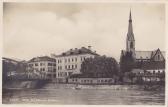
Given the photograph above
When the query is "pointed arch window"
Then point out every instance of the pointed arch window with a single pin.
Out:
(131, 45)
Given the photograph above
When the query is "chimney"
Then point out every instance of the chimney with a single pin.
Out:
(89, 47)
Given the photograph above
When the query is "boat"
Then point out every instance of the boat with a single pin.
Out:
(77, 87)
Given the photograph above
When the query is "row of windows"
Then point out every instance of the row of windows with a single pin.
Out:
(49, 69)
(90, 81)
(70, 66)
(59, 67)
(71, 59)
(42, 64)
(64, 74)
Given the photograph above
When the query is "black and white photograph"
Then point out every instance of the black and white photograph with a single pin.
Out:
(84, 53)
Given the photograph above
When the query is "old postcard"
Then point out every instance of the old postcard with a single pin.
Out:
(84, 53)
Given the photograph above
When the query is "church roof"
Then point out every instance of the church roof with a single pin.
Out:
(145, 54)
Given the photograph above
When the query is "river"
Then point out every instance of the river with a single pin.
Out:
(69, 96)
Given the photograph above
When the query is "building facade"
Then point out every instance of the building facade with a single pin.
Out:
(69, 62)
(149, 61)
(44, 67)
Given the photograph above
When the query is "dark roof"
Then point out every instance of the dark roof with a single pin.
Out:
(149, 65)
(43, 58)
(145, 54)
(76, 51)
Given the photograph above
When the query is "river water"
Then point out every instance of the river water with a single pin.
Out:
(69, 96)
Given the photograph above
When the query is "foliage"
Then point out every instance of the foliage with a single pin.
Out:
(127, 62)
(100, 66)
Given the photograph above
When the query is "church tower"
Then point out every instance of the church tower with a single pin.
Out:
(130, 41)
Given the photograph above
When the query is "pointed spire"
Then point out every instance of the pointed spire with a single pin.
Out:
(130, 17)
(130, 34)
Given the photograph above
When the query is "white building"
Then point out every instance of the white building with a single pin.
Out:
(70, 62)
(44, 66)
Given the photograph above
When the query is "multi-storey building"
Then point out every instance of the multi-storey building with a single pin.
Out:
(44, 66)
(70, 62)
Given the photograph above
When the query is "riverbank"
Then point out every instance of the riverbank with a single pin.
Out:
(48, 85)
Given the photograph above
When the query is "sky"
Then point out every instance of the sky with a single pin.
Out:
(38, 29)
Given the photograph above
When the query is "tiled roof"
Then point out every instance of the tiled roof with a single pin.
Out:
(43, 58)
(76, 51)
(145, 54)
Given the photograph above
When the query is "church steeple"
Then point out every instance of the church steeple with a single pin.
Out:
(130, 34)
(130, 42)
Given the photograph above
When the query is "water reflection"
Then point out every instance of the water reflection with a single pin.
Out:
(84, 96)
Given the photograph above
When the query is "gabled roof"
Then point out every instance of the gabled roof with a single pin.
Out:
(76, 51)
(43, 58)
(145, 54)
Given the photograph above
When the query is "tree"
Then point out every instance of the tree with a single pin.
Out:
(100, 66)
(127, 62)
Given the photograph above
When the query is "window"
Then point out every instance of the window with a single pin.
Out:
(68, 60)
(65, 73)
(41, 69)
(158, 57)
(36, 64)
(76, 59)
(131, 45)
(81, 58)
(65, 60)
(49, 64)
(30, 65)
(72, 66)
(65, 66)
(69, 67)
(153, 71)
(75, 66)
(72, 59)
(41, 64)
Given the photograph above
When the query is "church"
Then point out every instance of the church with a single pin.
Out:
(153, 61)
